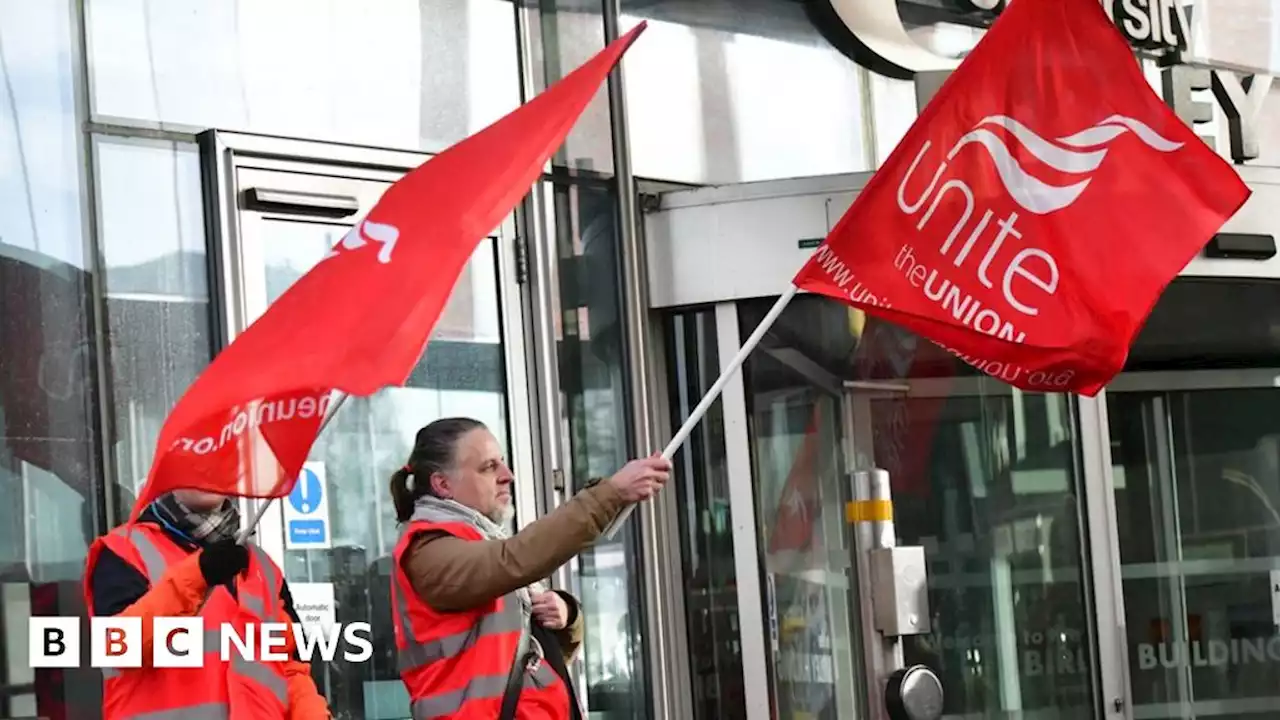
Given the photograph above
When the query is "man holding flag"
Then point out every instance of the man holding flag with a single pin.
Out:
(354, 324)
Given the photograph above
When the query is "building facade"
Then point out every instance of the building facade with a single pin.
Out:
(169, 167)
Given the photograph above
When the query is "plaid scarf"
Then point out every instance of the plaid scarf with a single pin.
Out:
(205, 528)
(437, 510)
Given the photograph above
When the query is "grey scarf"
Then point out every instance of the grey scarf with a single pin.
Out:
(433, 509)
(205, 528)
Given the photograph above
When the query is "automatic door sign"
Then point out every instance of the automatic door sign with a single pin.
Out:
(306, 511)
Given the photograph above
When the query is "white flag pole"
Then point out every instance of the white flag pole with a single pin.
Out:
(714, 393)
(247, 530)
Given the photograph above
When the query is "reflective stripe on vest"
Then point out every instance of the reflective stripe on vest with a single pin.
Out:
(266, 610)
(154, 561)
(417, 655)
(208, 711)
(263, 675)
(251, 669)
(155, 564)
(484, 687)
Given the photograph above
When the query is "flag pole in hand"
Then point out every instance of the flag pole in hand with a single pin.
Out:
(705, 404)
(247, 530)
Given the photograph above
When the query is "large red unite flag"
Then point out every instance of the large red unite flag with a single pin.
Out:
(359, 320)
(1036, 210)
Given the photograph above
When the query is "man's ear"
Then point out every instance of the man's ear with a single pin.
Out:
(440, 486)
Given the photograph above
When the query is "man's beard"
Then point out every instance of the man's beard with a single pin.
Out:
(503, 515)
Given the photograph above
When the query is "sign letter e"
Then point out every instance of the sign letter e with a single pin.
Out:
(115, 642)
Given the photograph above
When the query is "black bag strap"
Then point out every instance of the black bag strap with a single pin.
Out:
(515, 678)
(525, 654)
(556, 659)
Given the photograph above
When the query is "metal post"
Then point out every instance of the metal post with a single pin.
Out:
(894, 602)
(872, 514)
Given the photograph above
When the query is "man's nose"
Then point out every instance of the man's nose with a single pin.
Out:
(505, 476)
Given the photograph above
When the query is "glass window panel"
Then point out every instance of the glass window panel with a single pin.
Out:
(739, 92)
(50, 474)
(1197, 488)
(705, 519)
(592, 379)
(801, 491)
(400, 73)
(990, 490)
(461, 373)
(571, 33)
(151, 221)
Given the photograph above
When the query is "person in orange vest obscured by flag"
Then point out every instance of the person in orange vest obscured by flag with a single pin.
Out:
(182, 559)
(477, 633)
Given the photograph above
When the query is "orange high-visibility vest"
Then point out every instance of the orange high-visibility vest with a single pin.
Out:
(455, 664)
(240, 688)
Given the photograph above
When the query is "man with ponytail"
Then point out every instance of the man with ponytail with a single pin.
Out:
(478, 634)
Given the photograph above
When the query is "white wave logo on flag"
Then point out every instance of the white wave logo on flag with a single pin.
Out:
(362, 232)
(1076, 154)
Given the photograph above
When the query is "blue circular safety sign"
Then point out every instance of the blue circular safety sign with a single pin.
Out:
(305, 497)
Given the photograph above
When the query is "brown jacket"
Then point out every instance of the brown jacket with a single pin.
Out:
(451, 574)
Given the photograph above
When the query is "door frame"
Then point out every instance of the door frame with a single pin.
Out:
(223, 153)
(1104, 539)
(1096, 523)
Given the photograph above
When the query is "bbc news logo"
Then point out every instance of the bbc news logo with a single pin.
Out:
(179, 642)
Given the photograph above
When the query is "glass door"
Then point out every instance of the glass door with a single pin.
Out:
(333, 536)
(1196, 466)
(988, 480)
(796, 417)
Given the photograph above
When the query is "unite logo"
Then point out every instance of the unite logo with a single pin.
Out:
(364, 231)
(979, 221)
(1076, 154)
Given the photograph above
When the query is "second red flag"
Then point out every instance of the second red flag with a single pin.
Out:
(1036, 210)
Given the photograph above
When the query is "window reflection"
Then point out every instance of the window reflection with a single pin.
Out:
(724, 92)
(592, 380)
(571, 33)
(151, 224)
(1197, 486)
(397, 73)
(995, 505)
(50, 472)
(801, 492)
(701, 484)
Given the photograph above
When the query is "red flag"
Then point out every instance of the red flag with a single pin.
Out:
(1037, 208)
(360, 319)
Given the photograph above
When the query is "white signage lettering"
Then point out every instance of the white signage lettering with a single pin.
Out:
(1211, 653)
(1241, 100)
(1154, 27)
